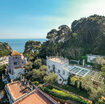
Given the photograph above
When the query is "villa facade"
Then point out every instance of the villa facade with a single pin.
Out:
(63, 69)
(16, 63)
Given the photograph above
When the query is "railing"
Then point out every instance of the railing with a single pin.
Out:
(23, 97)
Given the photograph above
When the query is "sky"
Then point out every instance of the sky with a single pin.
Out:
(35, 18)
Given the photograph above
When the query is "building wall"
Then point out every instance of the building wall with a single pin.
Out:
(59, 70)
(64, 69)
(17, 73)
(11, 100)
(15, 62)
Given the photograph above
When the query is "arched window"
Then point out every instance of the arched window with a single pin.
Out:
(53, 68)
(58, 71)
(49, 66)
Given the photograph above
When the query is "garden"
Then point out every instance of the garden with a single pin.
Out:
(61, 94)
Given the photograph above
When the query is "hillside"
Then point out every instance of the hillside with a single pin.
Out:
(5, 49)
(86, 36)
(91, 33)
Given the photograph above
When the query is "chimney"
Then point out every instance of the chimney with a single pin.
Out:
(20, 77)
(83, 63)
(25, 82)
(28, 84)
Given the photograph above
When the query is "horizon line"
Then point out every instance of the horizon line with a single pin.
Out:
(23, 38)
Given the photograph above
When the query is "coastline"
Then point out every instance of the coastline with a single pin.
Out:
(18, 44)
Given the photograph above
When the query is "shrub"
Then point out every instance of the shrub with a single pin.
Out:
(66, 96)
(36, 82)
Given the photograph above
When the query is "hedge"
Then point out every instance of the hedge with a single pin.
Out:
(66, 96)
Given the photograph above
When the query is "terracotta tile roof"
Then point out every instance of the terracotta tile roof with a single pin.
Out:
(34, 98)
(15, 53)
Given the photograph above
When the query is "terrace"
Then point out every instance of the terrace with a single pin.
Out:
(77, 70)
(36, 97)
(80, 71)
(17, 89)
(60, 60)
(19, 93)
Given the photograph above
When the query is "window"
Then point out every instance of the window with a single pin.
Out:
(58, 71)
(15, 63)
(9, 71)
(49, 66)
(63, 72)
(53, 68)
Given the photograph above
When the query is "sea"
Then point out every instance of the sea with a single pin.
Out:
(19, 44)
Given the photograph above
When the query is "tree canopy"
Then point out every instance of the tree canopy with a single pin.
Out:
(32, 49)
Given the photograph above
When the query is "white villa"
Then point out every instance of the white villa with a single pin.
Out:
(63, 69)
(15, 65)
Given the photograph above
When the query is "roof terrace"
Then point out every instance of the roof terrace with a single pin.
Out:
(81, 71)
(35, 97)
(17, 89)
(23, 95)
(60, 60)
